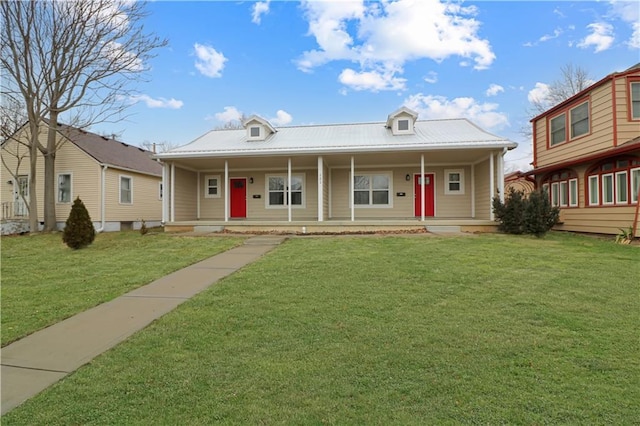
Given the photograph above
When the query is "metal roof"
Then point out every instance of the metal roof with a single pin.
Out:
(342, 138)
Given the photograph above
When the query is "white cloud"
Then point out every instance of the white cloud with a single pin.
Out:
(209, 62)
(229, 114)
(157, 103)
(556, 33)
(494, 89)
(439, 107)
(601, 37)
(432, 77)
(282, 118)
(382, 36)
(629, 12)
(539, 93)
(259, 8)
(374, 81)
(634, 41)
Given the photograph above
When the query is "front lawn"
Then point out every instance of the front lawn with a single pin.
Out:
(44, 281)
(490, 329)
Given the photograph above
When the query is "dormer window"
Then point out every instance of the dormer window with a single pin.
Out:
(258, 129)
(401, 121)
(403, 125)
(254, 132)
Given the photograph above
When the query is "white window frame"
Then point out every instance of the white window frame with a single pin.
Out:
(573, 192)
(120, 178)
(399, 131)
(448, 181)
(555, 194)
(207, 186)
(571, 135)
(613, 189)
(58, 201)
(563, 195)
(389, 176)
(594, 183)
(303, 191)
(251, 129)
(621, 197)
(635, 183)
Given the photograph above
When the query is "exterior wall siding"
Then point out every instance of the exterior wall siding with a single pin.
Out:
(185, 194)
(146, 203)
(481, 176)
(627, 129)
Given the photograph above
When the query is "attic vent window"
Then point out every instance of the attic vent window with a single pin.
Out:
(255, 132)
(403, 125)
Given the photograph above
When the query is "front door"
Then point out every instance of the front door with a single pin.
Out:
(20, 196)
(428, 195)
(238, 197)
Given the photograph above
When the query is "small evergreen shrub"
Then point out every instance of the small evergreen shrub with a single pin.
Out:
(143, 228)
(78, 230)
(521, 215)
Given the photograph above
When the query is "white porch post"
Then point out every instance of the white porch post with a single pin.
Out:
(289, 187)
(165, 193)
(353, 211)
(491, 186)
(198, 197)
(422, 191)
(501, 176)
(173, 191)
(473, 191)
(226, 190)
(320, 189)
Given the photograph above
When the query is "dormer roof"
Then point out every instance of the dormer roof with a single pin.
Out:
(264, 128)
(400, 112)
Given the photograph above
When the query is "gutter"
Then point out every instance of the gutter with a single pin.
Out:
(103, 197)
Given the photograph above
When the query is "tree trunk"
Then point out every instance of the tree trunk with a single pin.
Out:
(34, 225)
(50, 224)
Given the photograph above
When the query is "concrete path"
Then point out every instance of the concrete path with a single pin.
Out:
(37, 361)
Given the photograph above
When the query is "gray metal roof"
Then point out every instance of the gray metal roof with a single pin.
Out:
(342, 138)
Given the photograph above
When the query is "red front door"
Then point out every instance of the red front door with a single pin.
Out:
(428, 195)
(238, 196)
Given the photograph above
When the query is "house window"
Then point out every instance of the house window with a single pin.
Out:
(614, 182)
(564, 188)
(126, 190)
(403, 125)
(454, 181)
(64, 188)
(277, 191)
(580, 120)
(254, 132)
(212, 186)
(635, 100)
(159, 190)
(372, 189)
(558, 129)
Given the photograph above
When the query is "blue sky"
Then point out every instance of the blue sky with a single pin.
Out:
(318, 62)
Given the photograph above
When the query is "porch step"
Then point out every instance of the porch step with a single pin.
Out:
(207, 228)
(443, 229)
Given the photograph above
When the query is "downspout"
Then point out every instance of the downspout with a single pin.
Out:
(103, 208)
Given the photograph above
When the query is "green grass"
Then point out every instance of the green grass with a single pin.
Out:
(382, 330)
(43, 281)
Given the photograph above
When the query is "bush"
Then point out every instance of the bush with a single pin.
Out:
(78, 230)
(520, 215)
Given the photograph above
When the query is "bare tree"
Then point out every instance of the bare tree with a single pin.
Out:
(74, 60)
(163, 146)
(573, 79)
(233, 124)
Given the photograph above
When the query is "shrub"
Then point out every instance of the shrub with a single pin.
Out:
(520, 215)
(143, 228)
(78, 230)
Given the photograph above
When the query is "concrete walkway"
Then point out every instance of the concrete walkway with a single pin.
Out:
(37, 361)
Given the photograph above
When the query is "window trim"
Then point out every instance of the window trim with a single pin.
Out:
(568, 122)
(631, 81)
(371, 174)
(570, 119)
(396, 126)
(634, 193)
(448, 181)
(590, 179)
(70, 174)
(559, 188)
(130, 178)
(207, 186)
(597, 174)
(564, 129)
(573, 201)
(303, 191)
(617, 191)
(613, 189)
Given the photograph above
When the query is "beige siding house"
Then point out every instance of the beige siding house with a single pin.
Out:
(119, 184)
(403, 173)
(587, 155)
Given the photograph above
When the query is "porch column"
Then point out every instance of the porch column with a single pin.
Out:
(165, 193)
(226, 190)
(353, 204)
(198, 197)
(289, 187)
(473, 191)
(320, 189)
(173, 191)
(422, 193)
(501, 176)
(491, 186)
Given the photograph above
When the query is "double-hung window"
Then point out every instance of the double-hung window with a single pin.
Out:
(278, 191)
(212, 186)
(64, 188)
(564, 188)
(558, 129)
(580, 120)
(635, 100)
(454, 181)
(569, 124)
(372, 189)
(614, 182)
(126, 190)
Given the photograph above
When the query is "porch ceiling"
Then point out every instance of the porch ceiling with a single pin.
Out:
(444, 157)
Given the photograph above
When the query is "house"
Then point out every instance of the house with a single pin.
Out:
(586, 154)
(401, 173)
(119, 184)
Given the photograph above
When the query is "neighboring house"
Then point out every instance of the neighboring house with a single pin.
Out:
(519, 182)
(119, 184)
(398, 174)
(586, 154)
